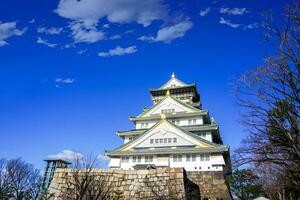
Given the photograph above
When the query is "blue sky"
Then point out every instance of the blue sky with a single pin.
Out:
(72, 72)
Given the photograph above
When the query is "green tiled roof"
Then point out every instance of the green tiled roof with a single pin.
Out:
(208, 127)
(221, 148)
(172, 88)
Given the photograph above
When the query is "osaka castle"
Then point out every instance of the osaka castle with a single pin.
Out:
(174, 132)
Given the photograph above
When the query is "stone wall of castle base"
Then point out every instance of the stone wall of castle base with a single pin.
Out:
(164, 183)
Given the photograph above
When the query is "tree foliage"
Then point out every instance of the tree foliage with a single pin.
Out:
(245, 184)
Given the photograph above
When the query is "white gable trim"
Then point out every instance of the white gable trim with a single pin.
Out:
(171, 100)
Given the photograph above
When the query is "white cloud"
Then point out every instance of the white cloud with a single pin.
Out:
(64, 80)
(86, 34)
(115, 37)
(116, 11)
(103, 158)
(69, 45)
(7, 30)
(229, 23)
(82, 51)
(50, 31)
(66, 155)
(118, 51)
(234, 11)
(32, 21)
(203, 13)
(251, 26)
(106, 26)
(45, 42)
(169, 33)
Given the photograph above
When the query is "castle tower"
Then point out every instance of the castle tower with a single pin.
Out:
(51, 166)
(174, 132)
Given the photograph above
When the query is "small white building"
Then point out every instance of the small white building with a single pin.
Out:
(173, 132)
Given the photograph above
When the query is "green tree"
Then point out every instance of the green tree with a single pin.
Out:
(245, 184)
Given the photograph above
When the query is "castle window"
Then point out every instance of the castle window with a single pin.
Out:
(177, 158)
(167, 110)
(165, 140)
(169, 140)
(125, 159)
(188, 158)
(139, 159)
(194, 121)
(204, 157)
(161, 140)
(148, 158)
(151, 141)
(134, 159)
(207, 157)
(174, 140)
(156, 141)
(193, 157)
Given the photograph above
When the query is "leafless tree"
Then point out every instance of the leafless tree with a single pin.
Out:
(18, 180)
(270, 100)
(82, 182)
(5, 186)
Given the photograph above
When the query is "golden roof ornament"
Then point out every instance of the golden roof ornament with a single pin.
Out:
(168, 93)
(173, 75)
(163, 116)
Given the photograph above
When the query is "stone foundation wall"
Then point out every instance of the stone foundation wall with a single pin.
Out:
(164, 183)
(211, 184)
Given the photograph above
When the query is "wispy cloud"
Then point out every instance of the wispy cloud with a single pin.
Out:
(65, 80)
(83, 34)
(204, 12)
(103, 158)
(50, 31)
(82, 51)
(66, 155)
(45, 42)
(234, 11)
(118, 51)
(251, 26)
(115, 37)
(32, 21)
(169, 33)
(229, 23)
(7, 30)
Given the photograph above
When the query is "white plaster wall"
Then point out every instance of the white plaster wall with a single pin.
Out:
(114, 163)
(164, 134)
(208, 136)
(182, 122)
(151, 123)
(196, 165)
(127, 138)
(215, 163)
